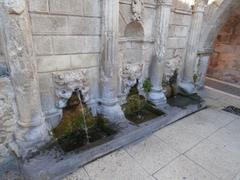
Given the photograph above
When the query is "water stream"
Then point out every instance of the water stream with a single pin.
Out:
(84, 116)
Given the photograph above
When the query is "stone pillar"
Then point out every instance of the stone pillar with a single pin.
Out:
(203, 63)
(157, 65)
(110, 107)
(190, 68)
(32, 130)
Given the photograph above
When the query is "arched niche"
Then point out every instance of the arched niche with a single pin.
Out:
(132, 53)
(132, 43)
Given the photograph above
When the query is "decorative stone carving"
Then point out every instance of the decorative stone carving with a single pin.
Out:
(14, 6)
(32, 130)
(68, 82)
(137, 10)
(157, 65)
(200, 5)
(110, 107)
(130, 74)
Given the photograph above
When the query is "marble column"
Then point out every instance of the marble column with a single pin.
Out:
(32, 130)
(191, 63)
(156, 70)
(110, 107)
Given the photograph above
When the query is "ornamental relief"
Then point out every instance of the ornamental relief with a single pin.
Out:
(137, 10)
(68, 82)
(130, 74)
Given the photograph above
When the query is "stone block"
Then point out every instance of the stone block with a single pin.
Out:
(84, 60)
(75, 7)
(178, 31)
(76, 44)
(53, 63)
(42, 45)
(46, 24)
(38, 5)
(83, 25)
(92, 8)
(45, 81)
(180, 19)
(48, 102)
(176, 43)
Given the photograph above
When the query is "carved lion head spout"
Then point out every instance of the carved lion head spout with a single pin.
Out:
(130, 74)
(68, 82)
(137, 9)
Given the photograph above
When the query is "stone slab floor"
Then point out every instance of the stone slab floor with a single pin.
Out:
(203, 146)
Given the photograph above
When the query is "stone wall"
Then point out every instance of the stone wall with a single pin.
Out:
(180, 23)
(225, 61)
(66, 36)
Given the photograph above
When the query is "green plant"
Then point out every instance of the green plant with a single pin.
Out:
(147, 85)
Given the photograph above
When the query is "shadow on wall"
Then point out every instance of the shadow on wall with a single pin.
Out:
(225, 60)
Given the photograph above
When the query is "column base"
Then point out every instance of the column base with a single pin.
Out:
(187, 88)
(157, 97)
(29, 140)
(112, 111)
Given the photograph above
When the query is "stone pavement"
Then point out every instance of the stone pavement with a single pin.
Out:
(203, 146)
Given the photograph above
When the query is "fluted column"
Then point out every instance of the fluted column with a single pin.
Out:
(190, 68)
(32, 130)
(110, 107)
(157, 65)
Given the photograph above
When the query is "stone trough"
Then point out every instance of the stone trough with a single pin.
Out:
(51, 164)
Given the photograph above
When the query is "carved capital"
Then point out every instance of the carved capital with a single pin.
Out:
(137, 10)
(68, 82)
(200, 5)
(164, 2)
(15, 6)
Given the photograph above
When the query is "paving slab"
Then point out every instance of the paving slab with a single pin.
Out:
(152, 153)
(218, 160)
(117, 166)
(228, 136)
(80, 174)
(183, 168)
(206, 122)
(179, 137)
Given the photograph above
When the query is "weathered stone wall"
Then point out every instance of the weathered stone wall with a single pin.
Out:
(180, 23)
(225, 61)
(66, 36)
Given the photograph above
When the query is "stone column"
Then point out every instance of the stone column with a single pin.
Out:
(157, 65)
(203, 63)
(32, 130)
(110, 107)
(190, 68)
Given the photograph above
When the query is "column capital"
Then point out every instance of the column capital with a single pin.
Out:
(164, 2)
(200, 5)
